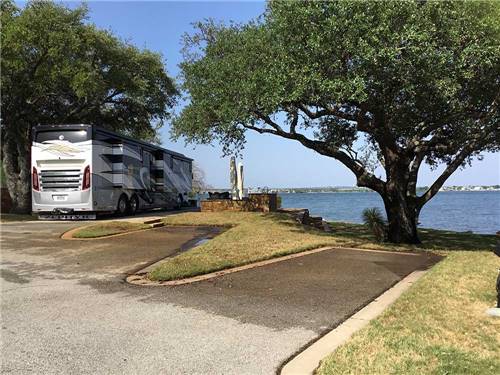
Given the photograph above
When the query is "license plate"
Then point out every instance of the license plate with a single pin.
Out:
(59, 197)
(67, 217)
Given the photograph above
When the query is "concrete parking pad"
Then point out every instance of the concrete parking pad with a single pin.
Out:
(307, 361)
(65, 306)
(315, 292)
(31, 248)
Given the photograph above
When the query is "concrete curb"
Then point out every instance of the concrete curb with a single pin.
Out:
(68, 235)
(140, 277)
(308, 361)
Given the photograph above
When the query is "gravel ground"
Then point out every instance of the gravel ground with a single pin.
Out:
(66, 309)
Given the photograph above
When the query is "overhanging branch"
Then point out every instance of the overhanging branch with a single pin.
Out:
(326, 111)
(452, 167)
(413, 174)
(363, 177)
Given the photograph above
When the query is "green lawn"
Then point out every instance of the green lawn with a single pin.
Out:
(432, 239)
(251, 237)
(254, 236)
(108, 228)
(438, 327)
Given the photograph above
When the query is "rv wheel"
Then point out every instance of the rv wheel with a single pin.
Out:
(178, 203)
(133, 205)
(122, 205)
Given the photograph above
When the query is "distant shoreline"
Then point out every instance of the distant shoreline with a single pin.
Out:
(470, 188)
(371, 191)
(365, 190)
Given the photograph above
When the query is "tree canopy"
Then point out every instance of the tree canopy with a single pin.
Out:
(389, 84)
(59, 68)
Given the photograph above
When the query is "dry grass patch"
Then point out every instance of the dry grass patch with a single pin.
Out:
(108, 229)
(432, 239)
(438, 327)
(251, 237)
(255, 236)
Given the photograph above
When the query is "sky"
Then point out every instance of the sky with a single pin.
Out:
(268, 161)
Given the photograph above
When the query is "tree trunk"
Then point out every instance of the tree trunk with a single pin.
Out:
(16, 164)
(402, 218)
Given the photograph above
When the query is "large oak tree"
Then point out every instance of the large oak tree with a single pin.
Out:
(58, 68)
(380, 84)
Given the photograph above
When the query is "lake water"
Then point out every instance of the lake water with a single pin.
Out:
(476, 211)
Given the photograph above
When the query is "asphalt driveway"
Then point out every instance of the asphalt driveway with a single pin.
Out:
(66, 309)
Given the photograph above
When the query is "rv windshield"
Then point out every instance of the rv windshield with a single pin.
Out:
(61, 135)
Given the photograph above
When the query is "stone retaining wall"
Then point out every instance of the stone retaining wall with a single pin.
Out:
(301, 215)
(254, 202)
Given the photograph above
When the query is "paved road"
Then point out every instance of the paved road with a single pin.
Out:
(66, 309)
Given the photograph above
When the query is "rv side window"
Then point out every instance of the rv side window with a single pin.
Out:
(61, 135)
(170, 161)
(177, 165)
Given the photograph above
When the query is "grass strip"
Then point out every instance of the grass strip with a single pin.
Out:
(109, 228)
(253, 237)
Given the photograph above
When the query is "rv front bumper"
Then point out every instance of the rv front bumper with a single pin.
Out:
(56, 215)
(63, 201)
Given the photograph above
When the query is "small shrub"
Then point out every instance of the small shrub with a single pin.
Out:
(373, 219)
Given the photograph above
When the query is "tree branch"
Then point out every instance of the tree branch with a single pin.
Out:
(313, 115)
(429, 128)
(270, 122)
(260, 130)
(452, 167)
(295, 121)
(413, 174)
(363, 177)
(111, 96)
(76, 110)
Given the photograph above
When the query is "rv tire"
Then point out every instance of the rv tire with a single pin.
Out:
(133, 205)
(122, 206)
(178, 202)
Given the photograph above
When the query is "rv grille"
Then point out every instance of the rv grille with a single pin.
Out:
(61, 180)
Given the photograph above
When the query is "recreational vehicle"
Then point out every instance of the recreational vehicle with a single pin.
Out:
(81, 170)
